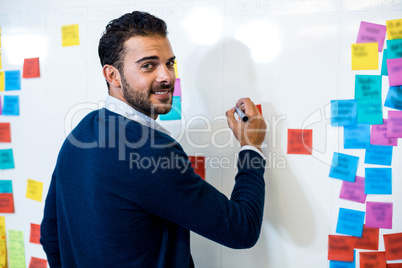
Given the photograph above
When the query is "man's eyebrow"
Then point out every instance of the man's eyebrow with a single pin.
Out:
(153, 58)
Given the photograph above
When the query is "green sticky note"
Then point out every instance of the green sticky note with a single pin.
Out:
(6, 159)
(175, 112)
(16, 249)
(369, 111)
(368, 87)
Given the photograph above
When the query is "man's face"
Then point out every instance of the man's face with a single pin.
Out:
(148, 75)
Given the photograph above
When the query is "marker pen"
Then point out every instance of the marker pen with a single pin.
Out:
(242, 115)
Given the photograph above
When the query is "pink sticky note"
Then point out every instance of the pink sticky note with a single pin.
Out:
(394, 67)
(379, 215)
(353, 191)
(378, 135)
(372, 33)
(177, 88)
(394, 127)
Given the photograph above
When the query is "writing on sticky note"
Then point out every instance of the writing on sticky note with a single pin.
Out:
(378, 135)
(34, 190)
(6, 187)
(393, 246)
(11, 105)
(350, 222)
(16, 248)
(198, 164)
(394, 71)
(394, 49)
(379, 214)
(353, 191)
(365, 56)
(394, 98)
(372, 33)
(368, 86)
(369, 111)
(373, 259)
(394, 126)
(35, 233)
(394, 29)
(177, 88)
(5, 135)
(31, 68)
(300, 141)
(6, 159)
(6, 203)
(2, 81)
(70, 35)
(378, 155)
(378, 181)
(37, 263)
(356, 137)
(369, 239)
(343, 113)
(340, 248)
(13, 80)
(175, 112)
(344, 167)
(384, 70)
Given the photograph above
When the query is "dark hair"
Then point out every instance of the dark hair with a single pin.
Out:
(137, 23)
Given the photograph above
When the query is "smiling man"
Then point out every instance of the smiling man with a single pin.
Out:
(103, 210)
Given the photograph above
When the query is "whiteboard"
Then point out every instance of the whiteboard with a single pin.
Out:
(291, 56)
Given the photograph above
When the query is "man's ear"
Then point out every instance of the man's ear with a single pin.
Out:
(112, 75)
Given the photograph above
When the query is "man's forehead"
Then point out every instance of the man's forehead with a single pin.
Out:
(140, 46)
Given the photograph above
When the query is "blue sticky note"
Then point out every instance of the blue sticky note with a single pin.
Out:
(343, 264)
(394, 48)
(344, 167)
(394, 98)
(175, 112)
(12, 80)
(378, 181)
(384, 69)
(356, 137)
(378, 155)
(368, 86)
(6, 159)
(350, 222)
(11, 105)
(369, 111)
(343, 113)
(6, 187)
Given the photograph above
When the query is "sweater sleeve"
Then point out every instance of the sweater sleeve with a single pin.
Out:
(169, 188)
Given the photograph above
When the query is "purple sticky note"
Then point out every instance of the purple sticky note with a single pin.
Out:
(372, 33)
(394, 71)
(177, 88)
(379, 136)
(394, 127)
(379, 215)
(353, 191)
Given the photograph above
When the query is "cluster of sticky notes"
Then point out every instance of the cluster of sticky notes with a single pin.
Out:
(175, 111)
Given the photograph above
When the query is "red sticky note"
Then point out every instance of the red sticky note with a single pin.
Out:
(393, 246)
(6, 203)
(198, 164)
(394, 72)
(369, 239)
(5, 132)
(37, 263)
(394, 265)
(31, 68)
(372, 260)
(340, 247)
(259, 108)
(300, 141)
(35, 233)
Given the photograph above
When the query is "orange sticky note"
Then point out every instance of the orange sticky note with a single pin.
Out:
(6, 203)
(369, 239)
(37, 263)
(198, 164)
(373, 259)
(5, 135)
(365, 56)
(31, 68)
(394, 265)
(259, 108)
(393, 246)
(340, 248)
(35, 233)
(300, 141)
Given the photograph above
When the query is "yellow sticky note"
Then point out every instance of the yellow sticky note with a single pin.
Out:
(394, 29)
(365, 56)
(34, 190)
(70, 35)
(3, 246)
(2, 81)
(175, 69)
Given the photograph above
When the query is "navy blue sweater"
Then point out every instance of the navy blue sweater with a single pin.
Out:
(125, 195)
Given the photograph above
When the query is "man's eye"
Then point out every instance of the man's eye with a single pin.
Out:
(170, 63)
(147, 66)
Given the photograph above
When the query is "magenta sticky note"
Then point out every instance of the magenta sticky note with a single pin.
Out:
(379, 215)
(394, 127)
(394, 67)
(177, 88)
(353, 191)
(372, 33)
(378, 135)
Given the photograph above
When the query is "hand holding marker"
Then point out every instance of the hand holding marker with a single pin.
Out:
(242, 115)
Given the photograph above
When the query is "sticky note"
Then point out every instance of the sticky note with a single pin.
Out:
(373, 259)
(31, 68)
(177, 88)
(2, 82)
(70, 35)
(379, 214)
(369, 239)
(394, 49)
(175, 69)
(393, 246)
(350, 222)
(378, 181)
(378, 155)
(356, 137)
(344, 167)
(353, 191)
(6, 159)
(34, 190)
(365, 56)
(37, 263)
(11, 105)
(35, 233)
(394, 98)
(394, 265)
(369, 111)
(343, 113)
(342, 264)
(6, 203)
(378, 135)
(16, 249)
(3, 247)
(368, 87)
(6, 187)
(12, 80)
(340, 248)
(384, 70)
(259, 108)
(394, 126)
(175, 112)
(394, 29)
(372, 33)
(198, 164)
(5, 135)
(300, 141)
(394, 71)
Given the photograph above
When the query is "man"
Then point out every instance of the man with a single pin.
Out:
(105, 207)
